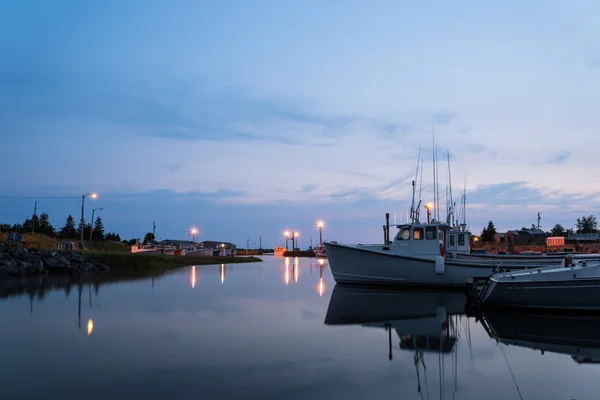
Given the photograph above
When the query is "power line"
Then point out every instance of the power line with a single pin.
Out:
(40, 197)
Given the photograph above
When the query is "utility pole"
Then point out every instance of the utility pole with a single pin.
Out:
(539, 219)
(153, 228)
(260, 242)
(33, 218)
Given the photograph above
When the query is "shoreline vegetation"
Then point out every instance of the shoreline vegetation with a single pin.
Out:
(38, 255)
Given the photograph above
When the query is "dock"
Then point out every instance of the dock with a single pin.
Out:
(299, 253)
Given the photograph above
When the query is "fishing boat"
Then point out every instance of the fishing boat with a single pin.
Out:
(541, 258)
(320, 252)
(279, 250)
(575, 286)
(149, 249)
(421, 254)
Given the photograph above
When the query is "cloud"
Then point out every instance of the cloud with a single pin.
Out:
(595, 63)
(171, 168)
(561, 158)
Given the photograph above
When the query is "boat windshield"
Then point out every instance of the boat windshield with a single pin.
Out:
(404, 233)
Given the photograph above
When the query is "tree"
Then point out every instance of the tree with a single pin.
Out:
(5, 228)
(149, 238)
(130, 242)
(587, 224)
(98, 232)
(113, 236)
(45, 226)
(69, 230)
(487, 235)
(533, 226)
(558, 230)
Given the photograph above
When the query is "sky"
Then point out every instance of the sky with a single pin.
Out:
(244, 118)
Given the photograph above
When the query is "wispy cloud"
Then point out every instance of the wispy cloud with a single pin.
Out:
(172, 168)
(561, 158)
(594, 63)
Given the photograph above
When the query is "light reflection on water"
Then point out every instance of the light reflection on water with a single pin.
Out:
(275, 330)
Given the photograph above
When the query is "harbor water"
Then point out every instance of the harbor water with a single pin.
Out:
(279, 329)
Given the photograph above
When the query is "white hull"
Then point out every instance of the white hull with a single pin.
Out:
(366, 265)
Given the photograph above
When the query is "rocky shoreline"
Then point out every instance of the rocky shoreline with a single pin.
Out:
(21, 261)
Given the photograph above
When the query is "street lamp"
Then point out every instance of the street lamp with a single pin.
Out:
(93, 196)
(320, 225)
(93, 211)
(286, 234)
(296, 234)
(193, 232)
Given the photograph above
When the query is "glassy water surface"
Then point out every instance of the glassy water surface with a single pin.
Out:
(278, 330)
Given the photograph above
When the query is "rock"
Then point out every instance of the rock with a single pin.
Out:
(63, 261)
(51, 263)
(37, 265)
(102, 267)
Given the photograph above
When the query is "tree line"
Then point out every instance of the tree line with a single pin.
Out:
(583, 225)
(71, 229)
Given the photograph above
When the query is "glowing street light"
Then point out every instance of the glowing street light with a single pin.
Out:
(286, 235)
(193, 232)
(295, 241)
(320, 225)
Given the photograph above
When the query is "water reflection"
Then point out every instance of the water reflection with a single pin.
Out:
(577, 336)
(90, 326)
(222, 273)
(423, 321)
(193, 276)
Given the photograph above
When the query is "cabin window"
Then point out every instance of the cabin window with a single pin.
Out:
(461, 240)
(404, 234)
(430, 233)
(417, 233)
(452, 244)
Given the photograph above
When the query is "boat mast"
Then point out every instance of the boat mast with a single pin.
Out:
(451, 214)
(414, 214)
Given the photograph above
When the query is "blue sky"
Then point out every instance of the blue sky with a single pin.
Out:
(244, 118)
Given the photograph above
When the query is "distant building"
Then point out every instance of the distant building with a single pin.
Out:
(210, 244)
(499, 237)
(180, 244)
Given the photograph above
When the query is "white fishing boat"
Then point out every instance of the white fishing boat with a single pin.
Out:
(149, 249)
(417, 255)
(320, 252)
(574, 287)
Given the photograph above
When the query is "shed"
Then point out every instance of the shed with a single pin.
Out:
(555, 241)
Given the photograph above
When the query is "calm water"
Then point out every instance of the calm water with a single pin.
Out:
(270, 331)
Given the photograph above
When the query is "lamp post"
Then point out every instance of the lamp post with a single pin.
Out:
(93, 196)
(92, 230)
(286, 234)
(295, 240)
(320, 225)
(193, 232)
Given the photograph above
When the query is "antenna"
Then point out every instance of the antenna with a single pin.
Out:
(539, 220)
(414, 215)
(450, 192)
(437, 185)
(433, 160)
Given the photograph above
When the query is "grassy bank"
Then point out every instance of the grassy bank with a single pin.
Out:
(129, 261)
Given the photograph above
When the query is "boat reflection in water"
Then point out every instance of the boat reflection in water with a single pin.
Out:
(576, 335)
(424, 321)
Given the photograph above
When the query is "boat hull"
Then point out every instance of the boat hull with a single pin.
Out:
(549, 259)
(356, 265)
(575, 294)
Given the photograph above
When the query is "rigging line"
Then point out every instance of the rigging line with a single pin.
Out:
(511, 373)
(424, 373)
